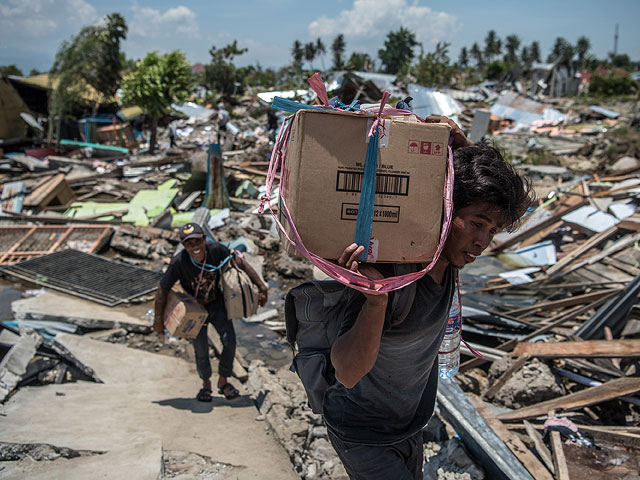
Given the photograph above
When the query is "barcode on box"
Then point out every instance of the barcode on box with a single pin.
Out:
(385, 184)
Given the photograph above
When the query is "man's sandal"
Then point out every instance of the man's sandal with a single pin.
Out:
(204, 395)
(229, 391)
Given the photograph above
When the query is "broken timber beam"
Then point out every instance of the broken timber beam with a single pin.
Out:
(587, 348)
(497, 460)
(540, 447)
(621, 244)
(559, 460)
(576, 252)
(528, 459)
(516, 364)
(535, 229)
(566, 302)
(619, 387)
(553, 322)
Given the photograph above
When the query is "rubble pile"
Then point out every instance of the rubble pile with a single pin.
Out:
(552, 308)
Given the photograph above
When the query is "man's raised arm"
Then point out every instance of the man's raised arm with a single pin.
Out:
(355, 352)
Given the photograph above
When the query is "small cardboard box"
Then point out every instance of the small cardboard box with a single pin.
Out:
(183, 315)
(322, 178)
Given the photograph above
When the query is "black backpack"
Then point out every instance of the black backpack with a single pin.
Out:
(313, 315)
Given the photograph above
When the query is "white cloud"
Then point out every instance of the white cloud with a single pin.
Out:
(366, 25)
(27, 23)
(152, 23)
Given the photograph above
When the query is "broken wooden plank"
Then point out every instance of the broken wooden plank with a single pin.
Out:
(540, 447)
(576, 252)
(559, 460)
(566, 302)
(553, 322)
(55, 190)
(537, 228)
(251, 171)
(610, 390)
(506, 375)
(519, 449)
(477, 435)
(538, 237)
(628, 439)
(585, 348)
(631, 223)
(621, 244)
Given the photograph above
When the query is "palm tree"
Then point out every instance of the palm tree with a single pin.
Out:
(297, 53)
(463, 59)
(534, 50)
(492, 45)
(338, 47)
(512, 44)
(562, 50)
(310, 53)
(582, 47)
(476, 54)
(320, 50)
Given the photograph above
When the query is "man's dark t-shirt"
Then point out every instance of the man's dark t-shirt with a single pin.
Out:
(397, 397)
(184, 270)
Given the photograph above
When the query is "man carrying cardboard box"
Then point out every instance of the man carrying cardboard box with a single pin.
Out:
(388, 373)
(197, 269)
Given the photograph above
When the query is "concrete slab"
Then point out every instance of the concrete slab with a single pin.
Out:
(115, 363)
(8, 337)
(141, 461)
(55, 306)
(143, 400)
(14, 363)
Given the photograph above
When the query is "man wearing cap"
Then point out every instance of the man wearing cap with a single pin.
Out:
(197, 269)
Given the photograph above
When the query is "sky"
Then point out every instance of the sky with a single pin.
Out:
(32, 30)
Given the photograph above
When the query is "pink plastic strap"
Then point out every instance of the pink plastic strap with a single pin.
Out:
(475, 352)
(356, 280)
(317, 85)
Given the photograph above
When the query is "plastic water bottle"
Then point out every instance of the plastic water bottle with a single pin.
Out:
(449, 355)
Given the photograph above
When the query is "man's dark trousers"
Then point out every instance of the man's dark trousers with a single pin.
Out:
(400, 461)
(218, 318)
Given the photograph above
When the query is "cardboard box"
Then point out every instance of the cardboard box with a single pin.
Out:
(322, 175)
(183, 315)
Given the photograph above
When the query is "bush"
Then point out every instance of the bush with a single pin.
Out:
(612, 86)
(495, 70)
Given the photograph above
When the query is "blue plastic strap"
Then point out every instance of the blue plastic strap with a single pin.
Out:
(364, 223)
(290, 106)
(208, 267)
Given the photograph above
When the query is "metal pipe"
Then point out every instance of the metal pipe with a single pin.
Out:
(582, 380)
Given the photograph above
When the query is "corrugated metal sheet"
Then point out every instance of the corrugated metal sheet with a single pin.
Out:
(429, 101)
(193, 110)
(12, 196)
(523, 111)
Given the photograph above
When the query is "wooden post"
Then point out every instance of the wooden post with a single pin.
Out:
(217, 191)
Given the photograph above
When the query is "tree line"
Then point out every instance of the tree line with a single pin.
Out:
(490, 59)
(93, 59)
